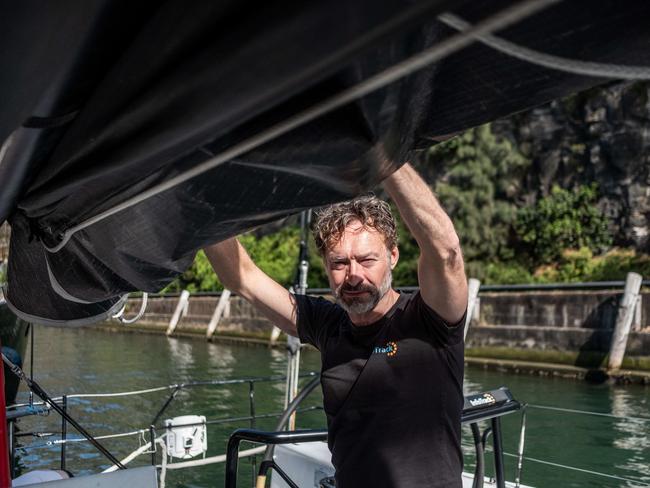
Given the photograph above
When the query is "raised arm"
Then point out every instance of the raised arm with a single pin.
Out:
(441, 272)
(237, 271)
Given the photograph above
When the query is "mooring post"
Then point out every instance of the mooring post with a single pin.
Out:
(473, 287)
(275, 333)
(624, 320)
(638, 310)
(219, 312)
(181, 309)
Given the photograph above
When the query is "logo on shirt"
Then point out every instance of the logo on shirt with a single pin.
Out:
(390, 349)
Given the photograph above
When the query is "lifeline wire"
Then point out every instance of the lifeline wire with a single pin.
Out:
(170, 387)
(33, 385)
(573, 468)
(586, 412)
(500, 20)
(575, 66)
(57, 442)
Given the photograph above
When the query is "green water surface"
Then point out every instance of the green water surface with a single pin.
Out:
(88, 361)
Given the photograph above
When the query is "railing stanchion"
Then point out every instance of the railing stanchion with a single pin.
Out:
(64, 430)
(152, 433)
(499, 472)
(251, 402)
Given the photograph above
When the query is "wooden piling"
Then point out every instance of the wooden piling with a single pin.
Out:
(181, 309)
(624, 318)
(473, 287)
(219, 311)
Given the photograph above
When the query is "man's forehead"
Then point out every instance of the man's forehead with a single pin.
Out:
(357, 238)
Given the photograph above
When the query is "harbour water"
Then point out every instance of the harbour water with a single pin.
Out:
(70, 361)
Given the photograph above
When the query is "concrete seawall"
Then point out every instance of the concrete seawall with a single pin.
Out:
(570, 329)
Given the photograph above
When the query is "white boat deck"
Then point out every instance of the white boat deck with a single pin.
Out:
(308, 464)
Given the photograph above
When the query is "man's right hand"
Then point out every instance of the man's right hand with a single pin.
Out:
(237, 272)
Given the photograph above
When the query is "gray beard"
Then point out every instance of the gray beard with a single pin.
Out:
(358, 305)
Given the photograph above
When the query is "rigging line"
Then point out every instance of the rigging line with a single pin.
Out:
(586, 412)
(498, 21)
(124, 393)
(168, 387)
(582, 470)
(76, 440)
(107, 436)
(33, 385)
(575, 66)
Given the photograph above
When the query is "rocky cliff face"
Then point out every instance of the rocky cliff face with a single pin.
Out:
(601, 136)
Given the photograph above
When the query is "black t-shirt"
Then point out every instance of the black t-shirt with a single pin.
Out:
(393, 393)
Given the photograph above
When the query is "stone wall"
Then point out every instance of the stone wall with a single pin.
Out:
(239, 318)
(575, 321)
(563, 309)
(572, 321)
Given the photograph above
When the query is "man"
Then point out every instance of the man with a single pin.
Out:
(392, 364)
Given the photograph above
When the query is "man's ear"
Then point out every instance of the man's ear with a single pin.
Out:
(394, 257)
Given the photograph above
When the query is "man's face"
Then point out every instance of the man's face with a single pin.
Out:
(359, 268)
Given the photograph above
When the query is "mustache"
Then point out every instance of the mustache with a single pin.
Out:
(359, 287)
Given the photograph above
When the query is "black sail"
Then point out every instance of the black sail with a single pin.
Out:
(105, 99)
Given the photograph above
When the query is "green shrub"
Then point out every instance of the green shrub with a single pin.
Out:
(406, 271)
(199, 277)
(580, 265)
(562, 220)
(276, 254)
(497, 273)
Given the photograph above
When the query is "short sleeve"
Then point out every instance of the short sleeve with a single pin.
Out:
(317, 320)
(441, 331)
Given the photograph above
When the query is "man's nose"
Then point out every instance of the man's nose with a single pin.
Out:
(354, 276)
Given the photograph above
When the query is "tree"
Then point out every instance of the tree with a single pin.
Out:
(276, 254)
(563, 220)
(480, 180)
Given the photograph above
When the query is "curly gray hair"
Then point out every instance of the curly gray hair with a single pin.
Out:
(373, 213)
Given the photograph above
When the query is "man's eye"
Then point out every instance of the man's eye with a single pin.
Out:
(337, 265)
(368, 261)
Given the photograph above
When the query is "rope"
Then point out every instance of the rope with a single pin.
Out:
(500, 20)
(215, 459)
(575, 66)
(585, 412)
(140, 450)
